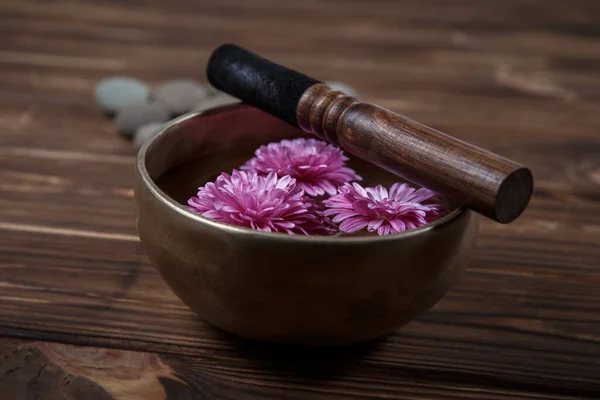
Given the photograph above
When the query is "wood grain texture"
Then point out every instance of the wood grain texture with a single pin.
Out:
(69, 372)
(521, 78)
(60, 371)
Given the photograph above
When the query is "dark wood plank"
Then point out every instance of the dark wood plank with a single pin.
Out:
(521, 78)
(538, 323)
(80, 190)
(67, 372)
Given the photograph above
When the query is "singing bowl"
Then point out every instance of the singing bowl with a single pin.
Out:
(273, 286)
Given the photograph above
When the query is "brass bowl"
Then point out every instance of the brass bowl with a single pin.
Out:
(276, 287)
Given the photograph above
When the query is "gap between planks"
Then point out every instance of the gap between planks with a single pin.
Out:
(9, 226)
(67, 155)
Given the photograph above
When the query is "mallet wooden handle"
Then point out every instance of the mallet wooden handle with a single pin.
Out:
(483, 181)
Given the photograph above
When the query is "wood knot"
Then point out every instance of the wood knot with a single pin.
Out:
(125, 375)
(320, 109)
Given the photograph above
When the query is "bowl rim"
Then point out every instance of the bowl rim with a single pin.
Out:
(180, 209)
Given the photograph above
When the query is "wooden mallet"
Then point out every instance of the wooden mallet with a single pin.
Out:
(476, 178)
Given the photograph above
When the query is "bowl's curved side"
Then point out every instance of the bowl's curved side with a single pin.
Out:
(305, 292)
(279, 288)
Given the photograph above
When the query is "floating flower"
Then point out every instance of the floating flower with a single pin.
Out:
(378, 210)
(265, 203)
(317, 166)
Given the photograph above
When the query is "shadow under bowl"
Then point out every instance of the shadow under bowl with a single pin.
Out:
(272, 286)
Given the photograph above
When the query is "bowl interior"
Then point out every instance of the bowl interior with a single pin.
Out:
(216, 142)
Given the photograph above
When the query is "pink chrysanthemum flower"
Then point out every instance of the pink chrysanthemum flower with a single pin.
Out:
(378, 210)
(317, 166)
(265, 203)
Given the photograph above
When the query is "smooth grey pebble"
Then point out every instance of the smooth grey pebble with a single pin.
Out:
(145, 132)
(115, 93)
(342, 87)
(217, 100)
(129, 119)
(179, 96)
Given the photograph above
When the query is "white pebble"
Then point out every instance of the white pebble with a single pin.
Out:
(218, 99)
(179, 96)
(145, 132)
(117, 92)
(129, 119)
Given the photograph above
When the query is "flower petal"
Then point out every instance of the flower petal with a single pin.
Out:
(354, 224)
(374, 225)
(397, 225)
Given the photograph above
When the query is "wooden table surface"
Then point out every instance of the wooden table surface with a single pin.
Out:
(84, 316)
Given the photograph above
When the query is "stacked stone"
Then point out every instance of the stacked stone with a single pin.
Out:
(139, 113)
